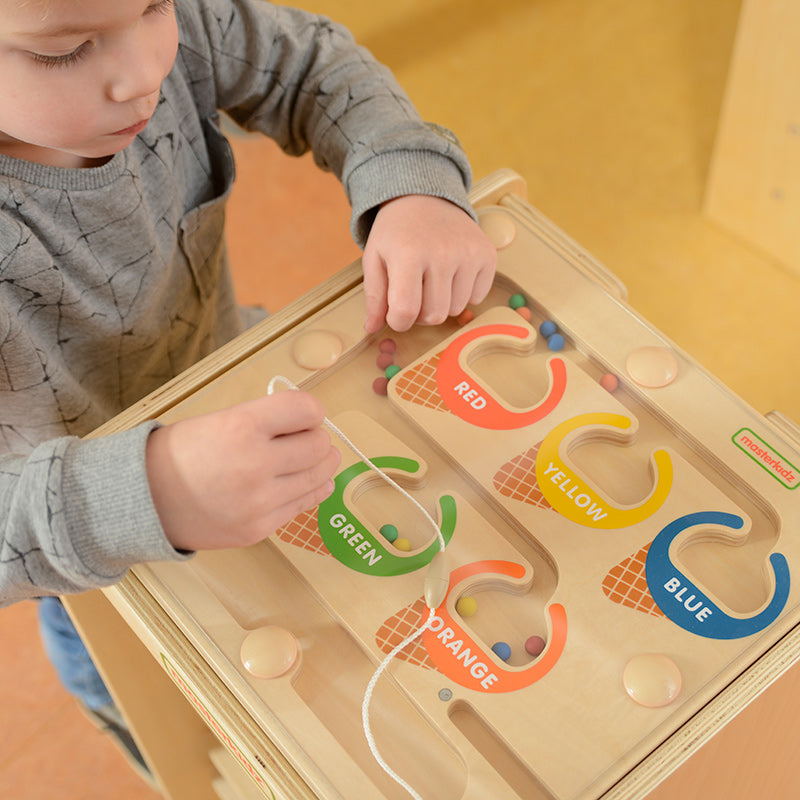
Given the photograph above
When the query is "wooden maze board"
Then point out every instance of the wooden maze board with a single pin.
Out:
(642, 533)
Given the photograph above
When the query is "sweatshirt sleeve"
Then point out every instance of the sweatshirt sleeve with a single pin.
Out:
(110, 523)
(302, 80)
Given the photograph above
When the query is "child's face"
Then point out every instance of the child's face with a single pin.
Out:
(80, 78)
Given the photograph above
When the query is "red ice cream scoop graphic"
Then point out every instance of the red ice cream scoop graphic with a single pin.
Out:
(463, 394)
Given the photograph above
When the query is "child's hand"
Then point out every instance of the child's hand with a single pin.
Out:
(231, 478)
(425, 260)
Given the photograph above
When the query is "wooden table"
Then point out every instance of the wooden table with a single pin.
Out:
(554, 483)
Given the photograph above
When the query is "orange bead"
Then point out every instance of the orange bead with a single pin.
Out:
(525, 313)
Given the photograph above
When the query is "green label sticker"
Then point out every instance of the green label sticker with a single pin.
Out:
(352, 543)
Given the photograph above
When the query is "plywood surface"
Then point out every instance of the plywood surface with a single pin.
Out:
(755, 169)
(549, 505)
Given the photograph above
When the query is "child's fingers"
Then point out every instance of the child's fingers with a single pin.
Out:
(307, 481)
(437, 289)
(433, 258)
(375, 289)
(404, 297)
(473, 282)
(302, 490)
(299, 452)
(229, 478)
(282, 413)
(484, 279)
(461, 292)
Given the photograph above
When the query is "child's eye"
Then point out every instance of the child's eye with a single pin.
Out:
(65, 60)
(161, 7)
(68, 59)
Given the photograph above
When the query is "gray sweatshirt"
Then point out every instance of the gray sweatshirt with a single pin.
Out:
(114, 279)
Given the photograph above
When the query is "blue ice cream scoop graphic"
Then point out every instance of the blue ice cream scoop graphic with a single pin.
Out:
(692, 609)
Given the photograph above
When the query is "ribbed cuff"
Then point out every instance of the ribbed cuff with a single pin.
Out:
(110, 515)
(398, 173)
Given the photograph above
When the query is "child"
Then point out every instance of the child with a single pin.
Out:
(114, 274)
(114, 279)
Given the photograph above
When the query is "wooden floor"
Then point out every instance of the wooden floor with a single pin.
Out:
(609, 111)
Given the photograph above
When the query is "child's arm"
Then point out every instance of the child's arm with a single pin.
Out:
(77, 514)
(231, 478)
(425, 259)
(303, 81)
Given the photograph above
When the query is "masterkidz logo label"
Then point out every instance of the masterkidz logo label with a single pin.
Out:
(768, 458)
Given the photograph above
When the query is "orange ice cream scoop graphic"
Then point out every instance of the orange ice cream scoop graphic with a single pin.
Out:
(626, 584)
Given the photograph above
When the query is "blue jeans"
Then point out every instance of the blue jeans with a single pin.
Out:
(69, 655)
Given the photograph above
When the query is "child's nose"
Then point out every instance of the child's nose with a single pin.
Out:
(137, 70)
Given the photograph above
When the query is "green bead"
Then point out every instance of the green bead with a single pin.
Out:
(516, 301)
(391, 371)
(389, 532)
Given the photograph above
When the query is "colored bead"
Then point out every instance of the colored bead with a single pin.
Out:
(402, 544)
(534, 645)
(501, 650)
(525, 313)
(609, 382)
(465, 317)
(516, 301)
(555, 342)
(466, 606)
(391, 371)
(384, 360)
(387, 346)
(389, 532)
(547, 328)
(380, 385)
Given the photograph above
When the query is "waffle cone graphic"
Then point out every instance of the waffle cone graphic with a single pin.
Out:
(517, 479)
(402, 625)
(417, 385)
(626, 584)
(303, 531)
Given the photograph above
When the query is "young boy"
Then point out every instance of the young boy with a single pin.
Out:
(114, 279)
(114, 274)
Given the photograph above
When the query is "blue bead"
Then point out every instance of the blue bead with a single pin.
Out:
(547, 328)
(555, 342)
(501, 650)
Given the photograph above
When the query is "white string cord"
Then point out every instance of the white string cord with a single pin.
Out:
(377, 470)
(368, 698)
(432, 605)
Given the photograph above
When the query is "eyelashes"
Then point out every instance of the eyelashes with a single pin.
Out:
(80, 52)
(162, 7)
(66, 60)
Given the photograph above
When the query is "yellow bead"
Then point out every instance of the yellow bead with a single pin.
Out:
(466, 606)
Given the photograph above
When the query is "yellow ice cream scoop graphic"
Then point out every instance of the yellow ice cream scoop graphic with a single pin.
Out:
(573, 496)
